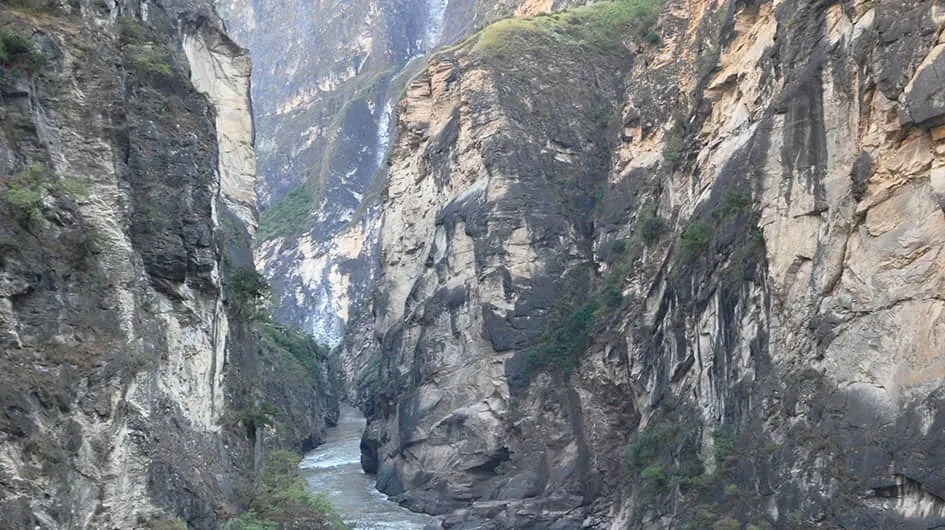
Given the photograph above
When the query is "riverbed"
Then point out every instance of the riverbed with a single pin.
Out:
(335, 469)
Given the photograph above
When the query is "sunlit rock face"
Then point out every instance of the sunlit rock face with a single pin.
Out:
(325, 89)
(692, 281)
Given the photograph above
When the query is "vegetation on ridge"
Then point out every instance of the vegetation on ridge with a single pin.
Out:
(286, 216)
(602, 26)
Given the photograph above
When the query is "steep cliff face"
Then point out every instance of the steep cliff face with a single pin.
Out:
(673, 274)
(128, 203)
(329, 77)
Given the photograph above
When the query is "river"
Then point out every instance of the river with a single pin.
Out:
(335, 469)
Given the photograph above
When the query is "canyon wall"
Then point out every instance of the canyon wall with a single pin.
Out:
(326, 89)
(666, 266)
(130, 357)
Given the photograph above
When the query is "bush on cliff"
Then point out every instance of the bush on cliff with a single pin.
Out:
(18, 53)
(281, 500)
(248, 290)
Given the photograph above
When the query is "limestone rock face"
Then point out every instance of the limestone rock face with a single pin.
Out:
(127, 203)
(326, 86)
(692, 281)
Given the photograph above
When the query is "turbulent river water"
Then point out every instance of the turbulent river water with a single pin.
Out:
(335, 469)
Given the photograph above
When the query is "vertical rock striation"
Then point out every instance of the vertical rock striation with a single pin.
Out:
(326, 89)
(128, 201)
(692, 279)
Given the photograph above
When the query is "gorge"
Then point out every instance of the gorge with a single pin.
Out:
(606, 265)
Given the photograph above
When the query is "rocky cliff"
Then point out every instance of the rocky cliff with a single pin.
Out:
(132, 374)
(667, 266)
(326, 88)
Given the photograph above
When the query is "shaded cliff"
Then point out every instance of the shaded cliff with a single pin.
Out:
(680, 272)
(128, 211)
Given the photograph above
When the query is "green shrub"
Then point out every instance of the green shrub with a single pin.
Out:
(8, 246)
(36, 7)
(568, 335)
(724, 440)
(282, 497)
(727, 523)
(695, 239)
(734, 201)
(654, 476)
(289, 215)
(248, 291)
(673, 150)
(151, 59)
(576, 315)
(131, 30)
(611, 296)
(72, 187)
(27, 201)
(26, 189)
(18, 53)
(652, 227)
(665, 455)
(645, 447)
(258, 416)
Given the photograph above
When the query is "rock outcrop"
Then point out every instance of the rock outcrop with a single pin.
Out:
(126, 152)
(686, 274)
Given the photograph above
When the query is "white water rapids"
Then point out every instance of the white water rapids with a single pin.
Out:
(335, 468)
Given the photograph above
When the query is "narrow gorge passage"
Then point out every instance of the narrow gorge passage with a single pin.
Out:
(335, 469)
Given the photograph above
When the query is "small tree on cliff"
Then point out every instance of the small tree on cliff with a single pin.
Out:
(248, 293)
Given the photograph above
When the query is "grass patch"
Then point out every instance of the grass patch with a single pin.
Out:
(18, 53)
(288, 216)
(600, 26)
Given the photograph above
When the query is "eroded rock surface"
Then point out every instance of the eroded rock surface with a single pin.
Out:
(127, 206)
(686, 281)
(325, 97)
